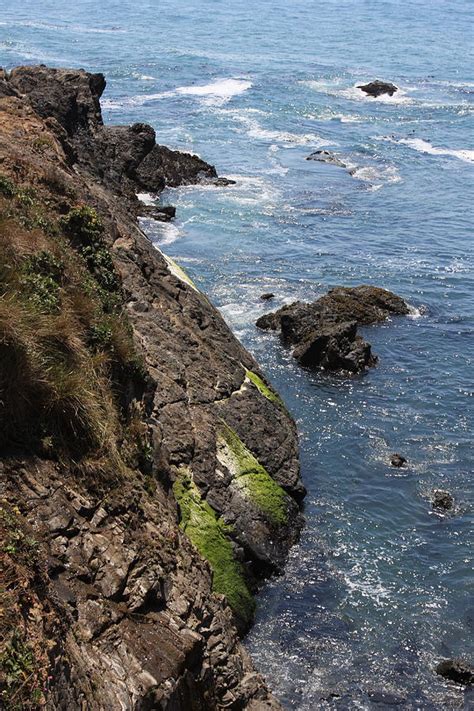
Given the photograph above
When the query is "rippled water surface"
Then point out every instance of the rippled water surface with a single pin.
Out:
(380, 587)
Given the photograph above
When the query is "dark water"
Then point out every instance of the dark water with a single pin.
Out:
(380, 587)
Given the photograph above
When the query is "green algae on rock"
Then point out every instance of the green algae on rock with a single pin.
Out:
(209, 534)
(251, 478)
(263, 388)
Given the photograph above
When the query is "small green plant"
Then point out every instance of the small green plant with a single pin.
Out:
(100, 336)
(7, 186)
(16, 541)
(20, 678)
(41, 276)
(83, 224)
(25, 197)
(85, 227)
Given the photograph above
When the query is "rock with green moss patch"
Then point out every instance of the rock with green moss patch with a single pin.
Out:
(263, 388)
(210, 536)
(252, 479)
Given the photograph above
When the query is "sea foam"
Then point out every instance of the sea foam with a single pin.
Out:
(217, 92)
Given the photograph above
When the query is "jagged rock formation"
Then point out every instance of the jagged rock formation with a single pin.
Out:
(149, 473)
(324, 334)
(378, 88)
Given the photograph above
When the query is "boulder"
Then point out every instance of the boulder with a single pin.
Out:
(396, 460)
(378, 88)
(163, 166)
(456, 670)
(161, 213)
(442, 500)
(324, 333)
(267, 296)
(336, 348)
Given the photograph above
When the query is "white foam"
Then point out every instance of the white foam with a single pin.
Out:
(375, 174)
(159, 233)
(146, 198)
(217, 92)
(418, 144)
(288, 139)
(138, 100)
(143, 77)
(166, 233)
(334, 116)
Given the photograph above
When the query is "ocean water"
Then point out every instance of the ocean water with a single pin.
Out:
(380, 587)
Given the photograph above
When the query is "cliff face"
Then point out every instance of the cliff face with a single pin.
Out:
(149, 474)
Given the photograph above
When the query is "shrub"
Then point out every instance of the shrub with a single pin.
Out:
(85, 228)
(41, 276)
(7, 186)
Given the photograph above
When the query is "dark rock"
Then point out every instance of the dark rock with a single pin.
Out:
(336, 348)
(442, 500)
(164, 213)
(223, 182)
(126, 156)
(396, 460)
(323, 156)
(163, 166)
(324, 333)
(456, 670)
(71, 96)
(378, 88)
(267, 296)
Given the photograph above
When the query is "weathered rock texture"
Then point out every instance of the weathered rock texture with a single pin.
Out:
(149, 473)
(324, 334)
(378, 88)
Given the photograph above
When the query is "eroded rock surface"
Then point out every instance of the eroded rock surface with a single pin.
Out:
(324, 334)
(378, 88)
(457, 670)
(137, 564)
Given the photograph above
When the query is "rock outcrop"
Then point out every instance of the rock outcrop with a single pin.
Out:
(323, 156)
(396, 460)
(324, 334)
(456, 670)
(149, 473)
(378, 88)
(442, 500)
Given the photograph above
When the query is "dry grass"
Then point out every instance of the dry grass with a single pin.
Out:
(67, 357)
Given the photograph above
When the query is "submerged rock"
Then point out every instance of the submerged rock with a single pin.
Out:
(323, 156)
(442, 500)
(267, 296)
(378, 88)
(396, 460)
(456, 670)
(324, 333)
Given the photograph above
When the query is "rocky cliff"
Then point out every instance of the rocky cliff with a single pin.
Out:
(149, 473)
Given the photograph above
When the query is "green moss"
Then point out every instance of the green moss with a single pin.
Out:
(263, 389)
(210, 536)
(252, 478)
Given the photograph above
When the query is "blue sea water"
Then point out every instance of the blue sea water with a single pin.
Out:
(380, 587)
